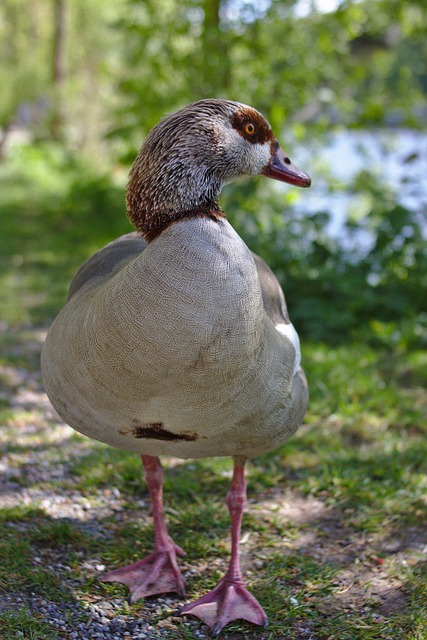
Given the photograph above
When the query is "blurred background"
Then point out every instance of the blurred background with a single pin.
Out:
(344, 85)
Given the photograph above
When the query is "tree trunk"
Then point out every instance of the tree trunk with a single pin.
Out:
(4, 137)
(58, 69)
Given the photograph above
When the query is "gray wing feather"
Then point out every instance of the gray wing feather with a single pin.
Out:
(108, 260)
(272, 294)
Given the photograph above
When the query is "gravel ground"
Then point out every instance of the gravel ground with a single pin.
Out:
(95, 621)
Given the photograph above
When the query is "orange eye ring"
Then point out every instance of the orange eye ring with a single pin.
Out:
(249, 128)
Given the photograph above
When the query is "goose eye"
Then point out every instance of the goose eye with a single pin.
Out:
(249, 128)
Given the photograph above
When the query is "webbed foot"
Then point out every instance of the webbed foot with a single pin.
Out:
(155, 574)
(228, 601)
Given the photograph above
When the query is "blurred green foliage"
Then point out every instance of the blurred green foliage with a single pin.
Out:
(54, 212)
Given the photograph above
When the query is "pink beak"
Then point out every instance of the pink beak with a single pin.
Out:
(281, 168)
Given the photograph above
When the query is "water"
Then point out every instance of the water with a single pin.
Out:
(397, 157)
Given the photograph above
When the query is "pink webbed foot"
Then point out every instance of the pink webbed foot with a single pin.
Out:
(229, 601)
(158, 572)
(155, 574)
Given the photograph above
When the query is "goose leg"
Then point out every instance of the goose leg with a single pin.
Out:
(158, 572)
(230, 600)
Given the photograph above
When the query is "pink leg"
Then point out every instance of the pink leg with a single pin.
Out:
(158, 572)
(230, 600)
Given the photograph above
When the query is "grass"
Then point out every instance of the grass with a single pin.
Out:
(334, 536)
(54, 213)
(23, 624)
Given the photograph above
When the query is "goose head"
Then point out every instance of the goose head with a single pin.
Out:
(189, 155)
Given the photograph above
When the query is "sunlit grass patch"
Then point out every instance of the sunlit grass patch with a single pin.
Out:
(22, 623)
(20, 513)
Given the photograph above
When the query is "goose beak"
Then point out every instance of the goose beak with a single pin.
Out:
(281, 168)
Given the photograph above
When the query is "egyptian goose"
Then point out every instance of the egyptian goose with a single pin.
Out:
(176, 340)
